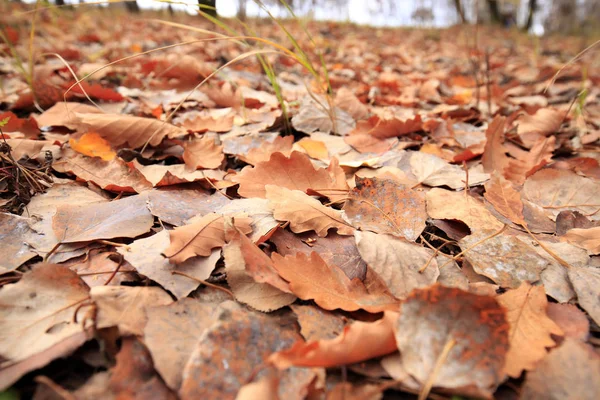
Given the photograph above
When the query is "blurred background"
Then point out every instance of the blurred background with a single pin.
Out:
(539, 17)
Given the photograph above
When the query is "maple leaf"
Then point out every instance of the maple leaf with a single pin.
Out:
(530, 327)
(304, 212)
(312, 279)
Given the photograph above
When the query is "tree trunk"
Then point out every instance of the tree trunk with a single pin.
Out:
(241, 14)
(209, 7)
(495, 11)
(460, 11)
(533, 5)
(60, 2)
(132, 6)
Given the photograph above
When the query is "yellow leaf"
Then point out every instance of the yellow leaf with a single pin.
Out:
(93, 145)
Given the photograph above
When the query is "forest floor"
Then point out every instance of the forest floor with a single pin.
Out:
(383, 213)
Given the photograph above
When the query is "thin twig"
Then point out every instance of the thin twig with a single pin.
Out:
(212, 285)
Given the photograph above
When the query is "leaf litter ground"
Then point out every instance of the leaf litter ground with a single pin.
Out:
(431, 226)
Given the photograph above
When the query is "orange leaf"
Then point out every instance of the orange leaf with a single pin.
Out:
(328, 286)
(494, 156)
(530, 327)
(202, 153)
(505, 199)
(93, 145)
(348, 348)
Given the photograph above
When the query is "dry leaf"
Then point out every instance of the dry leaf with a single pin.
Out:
(63, 114)
(494, 156)
(313, 116)
(312, 279)
(295, 172)
(259, 210)
(345, 349)
(304, 212)
(505, 199)
(316, 323)
(570, 319)
(264, 152)
(200, 236)
(398, 263)
(128, 130)
(128, 217)
(586, 282)
(93, 145)
(433, 171)
(202, 153)
(384, 206)
(568, 373)
(14, 235)
(530, 327)
(588, 239)
(455, 339)
(175, 205)
(545, 121)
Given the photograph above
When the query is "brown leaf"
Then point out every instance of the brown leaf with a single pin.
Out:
(494, 156)
(281, 144)
(200, 236)
(504, 259)
(252, 277)
(165, 175)
(313, 116)
(14, 233)
(347, 101)
(454, 339)
(545, 121)
(398, 263)
(129, 130)
(97, 266)
(530, 327)
(445, 204)
(568, 373)
(312, 279)
(259, 210)
(295, 172)
(561, 190)
(347, 348)
(334, 249)
(384, 206)
(63, 114)
(431, 170)
(114, 175)
(133, 377)
(387, 128)
(125, 306)
(586, 282)
(175, 205)
(146, 256)
(304, 212)
(505, 199)
(207, 122)
(29, 338)
(233, 350)
(316, 323)
(202, 153)
(539, 155)
(171, 334)
(128, 217)
(588, 239)
(570, 319)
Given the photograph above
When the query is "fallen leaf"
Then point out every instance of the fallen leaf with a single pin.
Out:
(128, 130)
(322, 117)
(347, 348)
(433, 171)
(504, 259)
(63, 114)
(539, 155)
(545, 121)
(202, 153)
(569, 372)
(175, 205)
(146, 256)
(171, 334)
(347, 101)
(530, 328)
(295, 172)
(36, 320)
(453, 340)
(334, 249)
(588, 239)
(312, 279)
(304, 212)
(200, 236)
(281, 144)
(128, 217)
(384, 206)
(494, 156)
(166, 175)
(316, 323)
(125, 307)
(234, 350)
(570, 319)
(586, 281)
(505, 199)
(398, 263)
(93, 145)
(15, 232)
(259, 210)
(133, 376)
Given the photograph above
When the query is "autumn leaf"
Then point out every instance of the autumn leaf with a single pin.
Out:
(312, 279)
(588, 239)
(305, 213)
(453, 340)
(530, 327)
(347, 348)
(202, 153)
(93, 145)
(494, 156)
(505, 199)
(200, 236)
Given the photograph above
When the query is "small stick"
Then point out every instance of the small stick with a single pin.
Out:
(212, 285)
